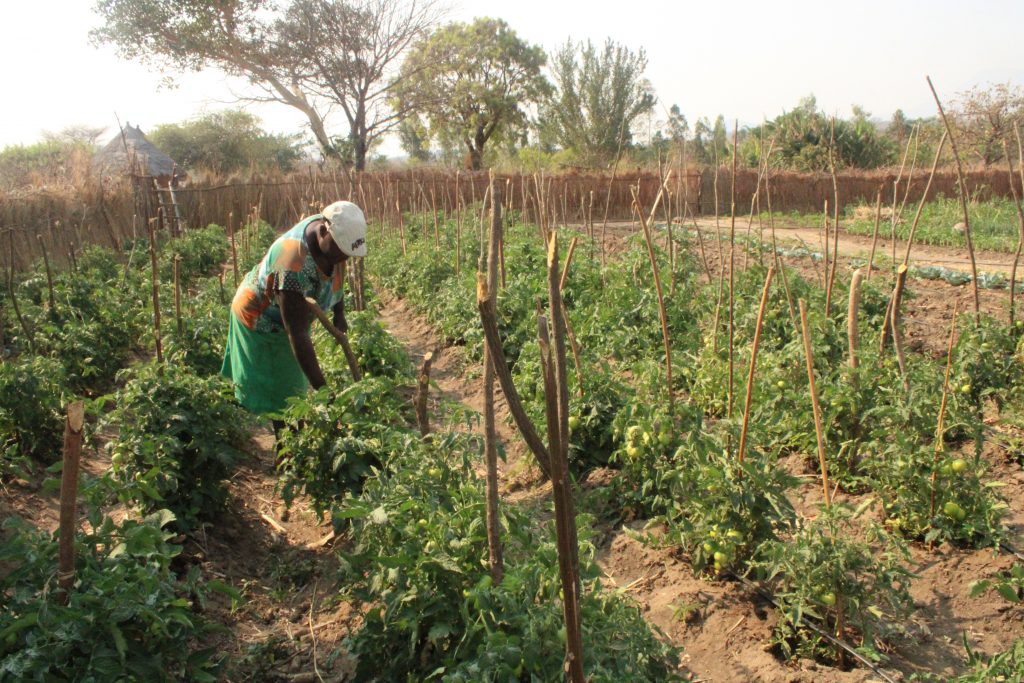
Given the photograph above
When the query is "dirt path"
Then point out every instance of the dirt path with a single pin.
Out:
(859, 246)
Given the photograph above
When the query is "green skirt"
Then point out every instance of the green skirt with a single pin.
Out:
(262, 367)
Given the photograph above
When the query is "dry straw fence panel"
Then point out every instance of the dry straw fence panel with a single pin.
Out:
(111, 213)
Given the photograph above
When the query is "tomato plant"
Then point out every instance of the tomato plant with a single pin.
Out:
(178, 438)
(824, 571)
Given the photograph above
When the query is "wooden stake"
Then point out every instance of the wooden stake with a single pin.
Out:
(1020, 213)
(732, 268)
(422, 390)
(753, 361)
(851, 314)
(49, 276)
(897, 333)
(940, 432)
(177, 293)
(874, 235)
(69, 499)
(835, 227)
(962, 187)
(155, 278)
(339, 336)
(565, 514)
(490, 430)
(663, 313)
(234, 250)
(814, 404)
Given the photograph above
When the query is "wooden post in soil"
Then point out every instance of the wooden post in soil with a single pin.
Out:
(458, 225)
(489, 322)
(433, 210)
(177, 293)
(422, 390)
(831, 274)
(962, 187)
(49, 276)
(155, 278)
(874, 234)
(556, 392)
(401, 226)
(14, 299)
(894, 323)
(234, 248)
(779, 264)
(814, 404)
(753, 361)
(495, 559)
(852, 334)
(662, 313)
(940, 431)
(69, 499)
(1020, 215)
(732, 267)
(886, 321)
(570, 333)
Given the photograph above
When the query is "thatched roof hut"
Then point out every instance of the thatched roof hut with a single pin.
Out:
(130, 152)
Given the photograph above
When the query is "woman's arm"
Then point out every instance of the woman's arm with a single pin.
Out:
(296, 316)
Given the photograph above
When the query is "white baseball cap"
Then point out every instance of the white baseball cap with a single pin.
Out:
(347, 227)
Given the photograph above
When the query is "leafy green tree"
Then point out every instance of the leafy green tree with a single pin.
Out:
(899, 127)
(313, 55)
(225, 141)
(805, 139)
(414, 139)
(472, 83)
(599, 95)
(710, 142)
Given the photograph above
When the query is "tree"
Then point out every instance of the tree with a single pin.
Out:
(312, 55)
(225, 141)
(985, 118)
(472, 83)
(599, 96)
(87, 136)
(349, 54)
(710, 142)
(808, 140)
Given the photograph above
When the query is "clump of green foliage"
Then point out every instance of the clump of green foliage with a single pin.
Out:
(178, 439)
(31, 424)
(129, 617)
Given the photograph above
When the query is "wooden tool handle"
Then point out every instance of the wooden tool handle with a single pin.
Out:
(341, 337)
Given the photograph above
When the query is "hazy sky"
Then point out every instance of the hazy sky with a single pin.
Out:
(746, 60)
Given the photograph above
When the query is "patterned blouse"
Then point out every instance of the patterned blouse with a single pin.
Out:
(288, 266)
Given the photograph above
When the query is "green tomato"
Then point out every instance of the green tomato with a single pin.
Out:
(828, 599)
(955, 511)
(664, 438)
(965, 388)
(780, 384)
(574, 422)
(632, 452)
(647, 438)
(708, 547)
(434, 472)
(732, 533)
(720, 557)
(422, 523)
(958, 466)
